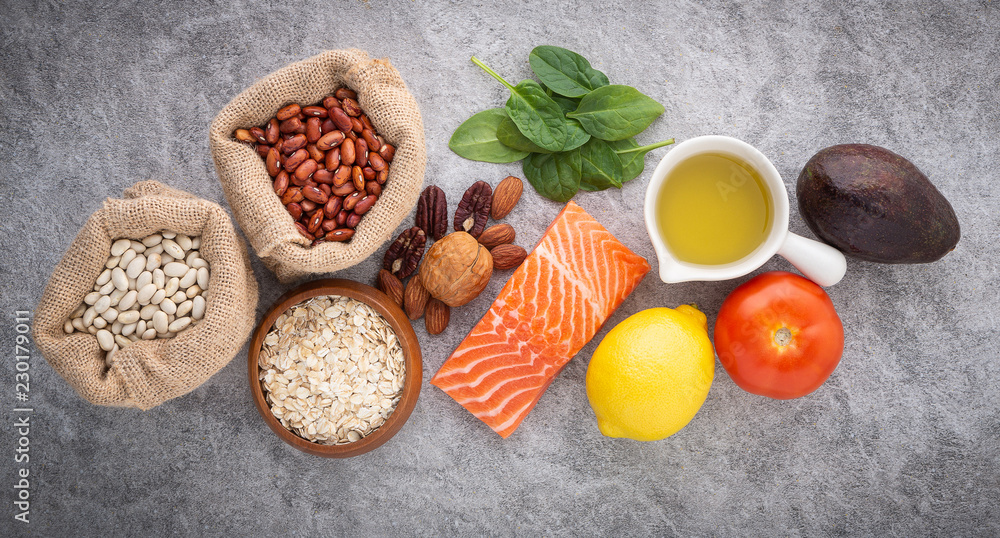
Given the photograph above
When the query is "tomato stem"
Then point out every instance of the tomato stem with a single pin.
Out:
(783, 336)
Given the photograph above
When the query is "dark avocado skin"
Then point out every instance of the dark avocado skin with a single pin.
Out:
(875, 205)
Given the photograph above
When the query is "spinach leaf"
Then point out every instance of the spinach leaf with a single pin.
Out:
(510, 136)
(537, 116)
(565, 72)
(616, 112)
(555, 176)
(476, 139)
(600, 166)
(565, 103)
(633, 157)
(575, 135)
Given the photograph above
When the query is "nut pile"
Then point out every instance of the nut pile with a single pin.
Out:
(332, 369)
(458, 265)
(328, 163)
(150, 288)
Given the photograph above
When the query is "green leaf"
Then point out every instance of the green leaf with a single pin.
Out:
(511, 136)
(633, 156)
(555, 176)
(476, 139)
(564, 71)
(565, 103)
(600, 166)
(575, 135)
(537, 116)
(616, 112)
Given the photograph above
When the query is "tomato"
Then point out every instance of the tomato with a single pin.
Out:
(778, 335)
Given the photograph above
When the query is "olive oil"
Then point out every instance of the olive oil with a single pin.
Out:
(713, 209)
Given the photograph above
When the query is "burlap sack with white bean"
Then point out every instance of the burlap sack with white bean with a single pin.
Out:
(149, 372)
(269, 228)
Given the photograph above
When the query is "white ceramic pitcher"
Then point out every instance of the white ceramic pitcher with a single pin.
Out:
(820, 262)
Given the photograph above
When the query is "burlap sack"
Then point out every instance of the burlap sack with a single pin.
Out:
(267, 225)
(149, 372)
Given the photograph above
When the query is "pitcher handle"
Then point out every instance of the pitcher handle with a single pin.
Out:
(820, 262)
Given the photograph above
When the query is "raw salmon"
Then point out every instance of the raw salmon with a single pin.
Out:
(553, 304)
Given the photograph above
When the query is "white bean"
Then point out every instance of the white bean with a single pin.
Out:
(116, 327)
(129, 328)
(117, 296)
(198, 263)
(156, 249)
(92, 297)
(129, 300)
(119, 278)
(203, 277)
(89, 315)
(153, 261)
(107, 288)
(196, 242)
(198, 307)
(138, 247)
(113, 261)
(175, 269)
(168, 235)
(179, 324)
(160, 321)
(104, 277)
(173, 249)
(158, 297)
(110, 314)
(168, 306)
(102, 304)
(149, 334)
(105, 339)
(127, 258)
(144, 278)
(136, 266)
(148, 311)
(152, 240)
(193, 291)
(159, 278)
(78, 324)
(189, 278)
(146, 293)
(172, 286)
(100, 323)
(120, 246)
(183, 241)
(122, 341)
(131, 316)
(184, 308)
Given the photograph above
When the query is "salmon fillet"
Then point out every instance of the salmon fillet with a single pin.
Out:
(553, 304)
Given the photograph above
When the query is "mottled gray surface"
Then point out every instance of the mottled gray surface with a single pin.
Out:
(902, 440)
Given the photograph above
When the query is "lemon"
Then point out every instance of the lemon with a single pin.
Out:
(651, 373)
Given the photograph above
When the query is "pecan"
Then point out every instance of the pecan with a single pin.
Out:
(474, 209)
(404, 254)
(432, 212)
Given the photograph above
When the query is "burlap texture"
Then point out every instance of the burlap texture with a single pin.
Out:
(149, 372)
(269, 228)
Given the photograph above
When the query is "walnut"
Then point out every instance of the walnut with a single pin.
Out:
(456, 269)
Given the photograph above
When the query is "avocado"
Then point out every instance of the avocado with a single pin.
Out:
(875, 205)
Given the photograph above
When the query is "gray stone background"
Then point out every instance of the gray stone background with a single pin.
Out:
(902, 440)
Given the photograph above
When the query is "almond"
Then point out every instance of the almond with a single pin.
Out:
(415, 298)
(506, 196)
(498, 234)
(507, 256)
(438, 315)
(391, 286)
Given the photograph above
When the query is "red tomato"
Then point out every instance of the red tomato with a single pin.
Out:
(778, 335)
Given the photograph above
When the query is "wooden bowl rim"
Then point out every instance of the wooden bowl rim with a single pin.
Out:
(400, 324)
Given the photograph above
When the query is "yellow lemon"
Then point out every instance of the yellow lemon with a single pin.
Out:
(651, 373)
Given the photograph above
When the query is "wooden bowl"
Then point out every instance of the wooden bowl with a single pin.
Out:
(382, 304)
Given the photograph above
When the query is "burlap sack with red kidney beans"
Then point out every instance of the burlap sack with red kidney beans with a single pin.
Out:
(149, 372)
(269, 228)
